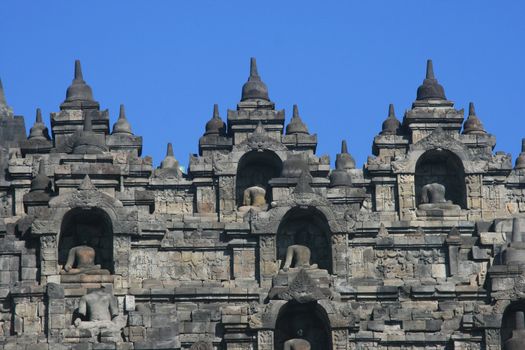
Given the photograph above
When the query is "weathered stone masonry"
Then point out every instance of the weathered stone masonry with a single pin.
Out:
(260, 245)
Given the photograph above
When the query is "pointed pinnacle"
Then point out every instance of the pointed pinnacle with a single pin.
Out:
(295, 112)
(88, 126)
(430, 70)
(38, 116)
(86, 184)
(517, 234)
(523, 145)
(122, 112)
(259, 129)
(471, 109)
(391, 112)
(41, 167)
(169, 150)
(216, 111)
(78, 71)
(383, 232)
(344, 147)
(253, 68)
(454, 233)
(303, 183)
(2, 95)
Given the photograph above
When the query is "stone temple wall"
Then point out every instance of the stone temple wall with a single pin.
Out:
(260, 244)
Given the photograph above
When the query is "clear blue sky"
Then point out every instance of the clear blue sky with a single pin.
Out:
(341, 62)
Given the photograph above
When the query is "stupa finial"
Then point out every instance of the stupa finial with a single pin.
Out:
(169, 150)
(253, 68)
(430, 70)
(2, 94)
(78, 71)
(254, 88)
(344, 147)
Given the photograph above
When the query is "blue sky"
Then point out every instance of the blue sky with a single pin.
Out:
(342, 62)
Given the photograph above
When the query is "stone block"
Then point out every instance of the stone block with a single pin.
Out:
(433, 325)
(57, 321)
(135, 319)
(136, 333)
(376, 326)
(201, 316)
(199, 327)
(28, 260)
(490, 238)
(414, 325)
(29, 273)
(161, 320)
(439, 271)
(129, 303)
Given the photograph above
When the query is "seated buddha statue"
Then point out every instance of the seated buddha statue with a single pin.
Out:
(81, 260)
(298, 343)
(433, 197)
(100, 310)
(254, 197)
(298, 255)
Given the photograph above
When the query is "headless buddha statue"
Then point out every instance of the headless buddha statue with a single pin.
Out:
(100, 308)
(298, 255)
(254, 197)
(517, 341)
(433, 197)
(81, 259)
(297, 343)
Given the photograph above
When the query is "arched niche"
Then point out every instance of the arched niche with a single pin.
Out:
(256, 168)
(309, 227)
(508, 322)
(87, 226)
(443, 167)
(307, 321)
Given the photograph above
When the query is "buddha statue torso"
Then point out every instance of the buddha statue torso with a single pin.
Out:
(81, 259)
(297, 344)
(433, 197)
(254, 197)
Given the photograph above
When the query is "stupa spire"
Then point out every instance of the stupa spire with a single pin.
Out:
(296, 125)
(391, 124)
(430, 89)
(473, 125)
(520, 161)
(169, 150)
(254, 74)
(38, 118)
(2, 94)
(41, 182)
(215, 126)
(169, 161)
(79, 94)
(215, 111)
(344, 147)
(38, 130)
(430, 70)
(78, 72)
(344, 160)
(122, 125)
(5, 110)
(254, 88)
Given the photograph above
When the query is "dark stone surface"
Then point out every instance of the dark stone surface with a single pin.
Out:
(430, 89)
